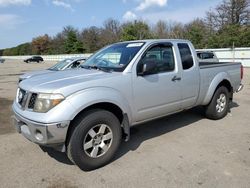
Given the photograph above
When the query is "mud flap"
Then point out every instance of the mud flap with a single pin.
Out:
(126, 127)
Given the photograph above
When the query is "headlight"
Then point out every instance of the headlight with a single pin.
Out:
(45, 102)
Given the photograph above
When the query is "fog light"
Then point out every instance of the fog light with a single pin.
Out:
(38, 135)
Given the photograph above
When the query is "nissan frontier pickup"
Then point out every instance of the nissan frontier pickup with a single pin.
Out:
(87, 112)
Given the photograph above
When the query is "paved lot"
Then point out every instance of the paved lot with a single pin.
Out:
(183, 150)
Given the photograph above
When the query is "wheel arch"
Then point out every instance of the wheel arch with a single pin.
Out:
(221, 79)
(229, 87)
(109, 106)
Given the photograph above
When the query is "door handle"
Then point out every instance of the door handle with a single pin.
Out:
(175, 78)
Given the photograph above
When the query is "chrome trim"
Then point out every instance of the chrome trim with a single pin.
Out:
(28, 96)
(28, 100)
(241, 86)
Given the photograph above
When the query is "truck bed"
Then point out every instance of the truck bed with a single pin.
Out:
(204, 65)
(210, 70)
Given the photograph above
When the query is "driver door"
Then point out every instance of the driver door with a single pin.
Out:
(158, 93)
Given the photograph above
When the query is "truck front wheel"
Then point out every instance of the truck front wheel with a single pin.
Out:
(94, 140)
(218, 107)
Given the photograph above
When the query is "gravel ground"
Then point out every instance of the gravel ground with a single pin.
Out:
(182, 150)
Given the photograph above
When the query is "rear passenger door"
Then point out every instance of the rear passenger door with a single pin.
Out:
(157, 94)
(190, 76)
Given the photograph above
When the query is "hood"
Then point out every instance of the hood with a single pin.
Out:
(34, 73)
(66, 82)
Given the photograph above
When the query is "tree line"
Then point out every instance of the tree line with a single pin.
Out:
(225, 26)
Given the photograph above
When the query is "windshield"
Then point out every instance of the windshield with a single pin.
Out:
(115, 57)
(60, 65)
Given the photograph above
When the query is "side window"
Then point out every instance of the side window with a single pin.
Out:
(81, 61)
(162, 55)
(210, 55)
(73, 65)
(186, 56)
(199, 55)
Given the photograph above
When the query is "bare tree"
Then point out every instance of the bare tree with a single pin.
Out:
(176, 30)
(113, 26)
(229, 12)
(91, 39)
(239, 11)
(57, 43)
(160, 30)
(168, 29)
(111, 32)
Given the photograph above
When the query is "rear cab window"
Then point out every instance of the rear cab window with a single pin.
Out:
(186, 56)
(205, 55)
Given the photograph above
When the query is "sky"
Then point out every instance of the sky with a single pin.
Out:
(22, 20)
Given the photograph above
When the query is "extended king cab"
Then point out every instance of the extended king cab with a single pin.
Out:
(86, 112)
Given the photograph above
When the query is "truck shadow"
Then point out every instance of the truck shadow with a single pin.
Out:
(57, 155)
(142, 132)
(146, 131)
(233, 105)
(153, 129)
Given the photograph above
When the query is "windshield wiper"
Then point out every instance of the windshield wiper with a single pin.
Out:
(96, 68)
(53, 69)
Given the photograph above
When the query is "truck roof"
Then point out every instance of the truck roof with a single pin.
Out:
(158, 40)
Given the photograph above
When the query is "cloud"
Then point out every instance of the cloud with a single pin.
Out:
(63, 4)
(183, 15)
(9, 21)
(4, 3)
(129, 15)
(145, 4)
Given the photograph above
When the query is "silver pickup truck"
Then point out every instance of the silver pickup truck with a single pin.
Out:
(87, 112)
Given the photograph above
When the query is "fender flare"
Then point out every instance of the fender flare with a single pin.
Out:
(91, 96)
(214, 84)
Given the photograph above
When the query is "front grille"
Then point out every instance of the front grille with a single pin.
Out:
(32, 101)
(26, 99)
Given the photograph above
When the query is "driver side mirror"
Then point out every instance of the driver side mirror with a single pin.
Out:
(147, 68)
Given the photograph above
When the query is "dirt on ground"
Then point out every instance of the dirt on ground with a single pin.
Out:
(5, 114)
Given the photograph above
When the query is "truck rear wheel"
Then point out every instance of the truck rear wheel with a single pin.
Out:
(218, 107)
(94, 140)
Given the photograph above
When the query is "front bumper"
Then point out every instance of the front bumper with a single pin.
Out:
(47, 134)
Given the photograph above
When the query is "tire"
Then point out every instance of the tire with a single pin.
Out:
(219, 105)
(88, 147)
